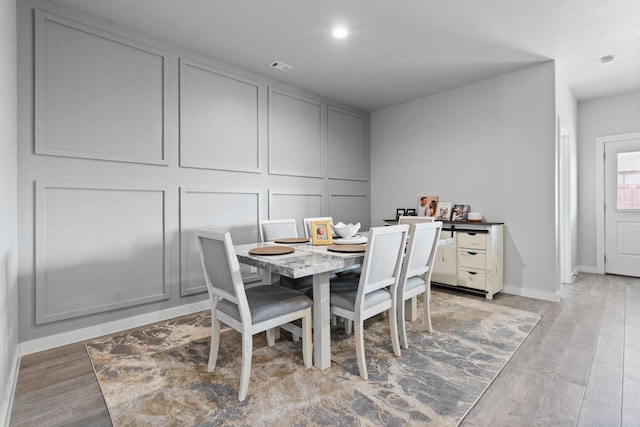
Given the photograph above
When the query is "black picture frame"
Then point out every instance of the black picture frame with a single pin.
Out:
(399, 212)
(460, 212)
(410, 212)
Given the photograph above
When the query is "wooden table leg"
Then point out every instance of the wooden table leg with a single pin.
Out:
(321, 321)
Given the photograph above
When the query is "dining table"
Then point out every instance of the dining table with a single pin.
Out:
(309, 260)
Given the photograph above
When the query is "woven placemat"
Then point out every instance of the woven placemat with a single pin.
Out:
(347, 248)
(292, 240)
(271, 250)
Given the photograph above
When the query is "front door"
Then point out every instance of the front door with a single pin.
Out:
(622, 207)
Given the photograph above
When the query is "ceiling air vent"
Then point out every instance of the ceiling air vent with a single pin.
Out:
(280, 66)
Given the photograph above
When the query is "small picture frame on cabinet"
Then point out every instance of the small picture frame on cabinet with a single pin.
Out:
(460, 212)
(444, 211)
(399, 213)
(410, 212)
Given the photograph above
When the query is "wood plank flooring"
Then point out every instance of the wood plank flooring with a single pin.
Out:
(579, 367)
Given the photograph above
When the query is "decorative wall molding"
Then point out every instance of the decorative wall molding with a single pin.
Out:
(98, 95)
(224, 132)
(309, 204)
(348, 146)
(236, 215)
(98, 248)
(360, 214)
(296, 135)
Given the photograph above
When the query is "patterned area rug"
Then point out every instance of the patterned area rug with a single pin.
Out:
(157, 375)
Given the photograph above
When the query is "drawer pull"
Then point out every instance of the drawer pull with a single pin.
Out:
(471, 234)
(472, 272)
(472, 253)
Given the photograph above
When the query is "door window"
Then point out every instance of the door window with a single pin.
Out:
(628, 196)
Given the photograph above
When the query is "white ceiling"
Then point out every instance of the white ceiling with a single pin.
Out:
(398, 50)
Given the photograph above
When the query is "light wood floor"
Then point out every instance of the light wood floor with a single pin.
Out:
(580, 366)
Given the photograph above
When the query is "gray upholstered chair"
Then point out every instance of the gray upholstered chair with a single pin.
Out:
(273, 229)
(376, 290)
(249, 311)
(415, 278)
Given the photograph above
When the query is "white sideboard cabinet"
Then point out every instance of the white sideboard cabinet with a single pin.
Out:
(475, 261)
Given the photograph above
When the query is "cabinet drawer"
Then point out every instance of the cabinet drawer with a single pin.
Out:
(472, 279)
(472, 240)
(471, 259)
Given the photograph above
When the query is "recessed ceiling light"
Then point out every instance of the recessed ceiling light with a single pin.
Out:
(606, 59)
(340, 32)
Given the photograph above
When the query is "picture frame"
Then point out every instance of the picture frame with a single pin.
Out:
(410, 212)
(443, 213)
(460, 212)
(427, 206)
(321, 233)
(399, 213)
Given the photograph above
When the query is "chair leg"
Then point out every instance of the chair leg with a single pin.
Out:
(393, 328)
(362, 365)
(307, 343)
(402, 330)
(271, 337)
(348, 327)
(215, 343)
(426, 301)
(247, 349)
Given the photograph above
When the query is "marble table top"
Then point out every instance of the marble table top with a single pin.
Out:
(307, 259)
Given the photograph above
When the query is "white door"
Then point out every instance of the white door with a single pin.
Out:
(622, 207)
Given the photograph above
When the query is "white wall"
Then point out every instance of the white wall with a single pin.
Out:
(8, 208)
(605, 116)
(567, 111)
(490, 145)
(127, 144)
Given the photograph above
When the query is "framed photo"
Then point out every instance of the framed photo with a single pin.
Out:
(460, 212)
(399, 213)
(410, 212)
(443, 213)
(427, 206)
(321, 233)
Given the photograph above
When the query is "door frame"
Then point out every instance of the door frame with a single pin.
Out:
(564, 205)
(600, 242)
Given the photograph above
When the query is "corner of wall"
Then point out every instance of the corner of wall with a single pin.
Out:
(10, 389)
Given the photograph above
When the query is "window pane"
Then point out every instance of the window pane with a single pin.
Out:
(629, 180)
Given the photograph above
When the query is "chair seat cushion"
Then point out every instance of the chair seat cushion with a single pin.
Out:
(413, 283)
(339, 284)
(346, 299)
(268, 302)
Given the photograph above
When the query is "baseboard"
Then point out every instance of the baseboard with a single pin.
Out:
(587, 269)
(532, 293)
(10, 389)
(45, 343)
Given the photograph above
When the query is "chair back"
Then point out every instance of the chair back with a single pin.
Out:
(421, 251)
(273, 229)
(222, 270)
(307, 223)
(382, 260)
(415, 219)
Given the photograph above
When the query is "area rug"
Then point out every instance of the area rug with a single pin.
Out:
(157, 375)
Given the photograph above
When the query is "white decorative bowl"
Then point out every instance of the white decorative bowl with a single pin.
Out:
(346, 230)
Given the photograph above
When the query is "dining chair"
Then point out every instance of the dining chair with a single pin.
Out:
(414, 219)
(273, 229)
(307, 223)
(376, 289)
(248, 311)
(415, 277)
